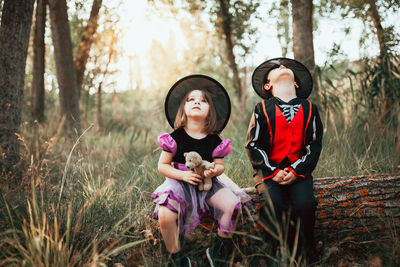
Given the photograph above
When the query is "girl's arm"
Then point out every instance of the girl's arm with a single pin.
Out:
(166, 169)
(218, 169)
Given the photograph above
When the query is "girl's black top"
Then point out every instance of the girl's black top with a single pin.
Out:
(185, 143)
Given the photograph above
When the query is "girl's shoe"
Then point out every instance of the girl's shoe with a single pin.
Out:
(179, 260)
(219, 252)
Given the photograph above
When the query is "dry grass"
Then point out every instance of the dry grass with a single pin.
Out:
(90, 204)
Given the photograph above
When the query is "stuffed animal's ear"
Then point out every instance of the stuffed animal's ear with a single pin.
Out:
(184, 154)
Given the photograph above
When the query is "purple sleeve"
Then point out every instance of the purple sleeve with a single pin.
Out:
(167, 143)
(223, 149)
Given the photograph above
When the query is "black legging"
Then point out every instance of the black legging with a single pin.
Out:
(300, 196)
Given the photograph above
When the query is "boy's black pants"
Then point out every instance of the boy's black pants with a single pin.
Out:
(299, 196)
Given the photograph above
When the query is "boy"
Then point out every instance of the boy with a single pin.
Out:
(284, 141)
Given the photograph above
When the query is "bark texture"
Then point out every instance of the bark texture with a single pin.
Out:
(15, 27)
(359, 203)
(61, 35)
(37, 93)
(354, 204)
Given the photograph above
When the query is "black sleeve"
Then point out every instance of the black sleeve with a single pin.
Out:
(258, 144)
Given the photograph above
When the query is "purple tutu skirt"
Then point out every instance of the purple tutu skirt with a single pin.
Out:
(191, 204)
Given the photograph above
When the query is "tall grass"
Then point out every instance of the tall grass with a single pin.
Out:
(46, 240)
(103, 187)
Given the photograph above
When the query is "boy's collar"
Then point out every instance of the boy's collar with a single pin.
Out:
(280, 101)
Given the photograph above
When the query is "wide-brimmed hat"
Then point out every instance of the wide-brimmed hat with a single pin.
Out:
(205, 83)
(302, 76)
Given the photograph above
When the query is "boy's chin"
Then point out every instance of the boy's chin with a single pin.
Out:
(287, 75)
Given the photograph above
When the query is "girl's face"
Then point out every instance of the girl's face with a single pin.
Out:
(280, 73)
(196, 105)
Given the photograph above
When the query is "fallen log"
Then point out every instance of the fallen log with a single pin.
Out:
(357, 204)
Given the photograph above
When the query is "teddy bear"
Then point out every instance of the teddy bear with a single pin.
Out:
(198, 165)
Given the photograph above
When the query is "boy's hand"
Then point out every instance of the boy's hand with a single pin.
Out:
(289, 178)
(279, 176)
(191, 177)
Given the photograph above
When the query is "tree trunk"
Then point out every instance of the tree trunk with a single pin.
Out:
(376, 18)
(85, 43)
(15, 28)
(398, 139)
(99, 107)
(99, 90)
(227, 30)
(354, 204)
(357, 204)
(61, 35)
(37, 93)
(303, 47)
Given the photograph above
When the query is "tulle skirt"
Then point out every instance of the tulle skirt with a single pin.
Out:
(191, 204)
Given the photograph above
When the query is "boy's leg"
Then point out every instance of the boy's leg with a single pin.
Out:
(274, 196)
(304, 206)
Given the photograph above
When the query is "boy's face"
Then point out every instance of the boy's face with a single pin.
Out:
(278, 74)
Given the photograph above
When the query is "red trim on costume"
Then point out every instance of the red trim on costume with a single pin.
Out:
(269, 124)
(308, 120)
(299, 175)
(272, 175)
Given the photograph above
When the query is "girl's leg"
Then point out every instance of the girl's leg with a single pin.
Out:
(225, 201)
(169, 229)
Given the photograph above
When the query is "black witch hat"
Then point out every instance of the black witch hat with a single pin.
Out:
(189, 83)
(302, 76)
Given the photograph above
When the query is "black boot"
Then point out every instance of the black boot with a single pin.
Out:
(179, 259)
(220, 251)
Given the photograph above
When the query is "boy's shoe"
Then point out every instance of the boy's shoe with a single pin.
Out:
(219, 252)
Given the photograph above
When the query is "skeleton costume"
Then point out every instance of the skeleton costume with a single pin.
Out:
(286, 135)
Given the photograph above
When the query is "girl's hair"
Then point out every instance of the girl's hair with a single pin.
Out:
(211, 120)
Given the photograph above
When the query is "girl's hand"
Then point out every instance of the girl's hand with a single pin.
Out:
(210, 173)
(191, 177)
(279, 176)
(289, 178)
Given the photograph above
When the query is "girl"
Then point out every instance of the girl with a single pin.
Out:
(190, 110)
